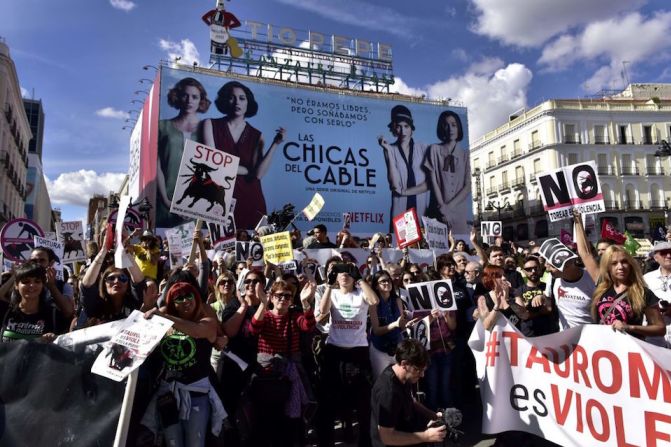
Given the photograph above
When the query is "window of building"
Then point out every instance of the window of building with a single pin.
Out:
(535, 140)
(519, 174)
(600, 134)
(537, 166)
(572, 158)
(516, 147)
(570, 135)
(622, 134)
(541, 229)
(647, 134)
(504, 178)
(522, 232)
(490, 159)
(492, 181)
(508, 233)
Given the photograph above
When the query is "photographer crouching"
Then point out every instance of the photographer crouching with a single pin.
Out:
(396, 418)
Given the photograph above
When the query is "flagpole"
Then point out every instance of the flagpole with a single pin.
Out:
(126, 409)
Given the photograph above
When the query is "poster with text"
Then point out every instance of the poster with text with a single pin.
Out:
(74, 244)
(406, 228)
(350, 147)
(575, 186)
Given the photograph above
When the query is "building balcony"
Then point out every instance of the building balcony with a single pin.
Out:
(625, 140)
(491, 191)
(502, 159)
(518, 183)
(611, 205)
(632, 205)
(653, 170)
(490, 164)
(601, 140)
(571, 139)
(657, 205)
(535, 145)
(606, 170)
(650, 141)
(504, 187)
(517, 153)
(629, 170)
(532, 178)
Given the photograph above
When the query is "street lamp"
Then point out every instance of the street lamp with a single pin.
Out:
(495, 205)
(147, 67)
(137, 101)
(478, 196)
(138, 92)
(141, 81)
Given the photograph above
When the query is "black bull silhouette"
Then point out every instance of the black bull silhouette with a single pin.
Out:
(201, 186)
(71, 245)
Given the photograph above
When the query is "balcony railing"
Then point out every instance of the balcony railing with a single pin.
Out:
(491, 191)
(611, 205)
(535, 145)
(504, 186)
(490, 164)
(657, 204)
(606, 170)
(624, 140)
(571, 139)
(532, 178)
(629, 170)
(601, 140)
(632, 204)
(518, 182)
(502, 159)
(516, 154)
(654, 170)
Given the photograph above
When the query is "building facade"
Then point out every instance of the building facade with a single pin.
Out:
(621, 132)
(14, 137)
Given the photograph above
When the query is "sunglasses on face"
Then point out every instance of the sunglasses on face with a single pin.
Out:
(664, 252)
(531, 269)
(252, 281)
(121, 278)
(183, 299)
(283, 296)
(228, 282)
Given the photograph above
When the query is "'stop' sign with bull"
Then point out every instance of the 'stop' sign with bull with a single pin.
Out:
(71, 234)
(576, 186)
(204, 189)
(431, 295)
(18, 239)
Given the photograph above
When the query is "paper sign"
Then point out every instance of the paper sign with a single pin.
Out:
(57, 248)
(406, 227)
(130, 346)
(277, 247)
(72, 236)
(556, 253)
(421, 331)
(222, 236)
(314, 207)
(491, 228)
(204, 188)
(435, 233)
(431, 295)
(185, 234)
(17, 239)
(576, 186)
(245, 250)
(175, 250)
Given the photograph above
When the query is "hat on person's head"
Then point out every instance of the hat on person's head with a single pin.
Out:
(401, 113)
(181, 289)
(660, 247)
(147, 235)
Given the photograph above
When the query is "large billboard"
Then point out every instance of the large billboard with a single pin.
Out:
(368, 155)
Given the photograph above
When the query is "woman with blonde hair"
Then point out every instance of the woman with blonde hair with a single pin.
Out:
(621, 298)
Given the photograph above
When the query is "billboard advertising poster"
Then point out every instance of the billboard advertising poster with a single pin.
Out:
(370, 156)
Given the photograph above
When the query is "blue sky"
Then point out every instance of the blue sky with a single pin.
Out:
(84, 59)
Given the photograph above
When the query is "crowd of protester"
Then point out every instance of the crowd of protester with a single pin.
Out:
(262, 356)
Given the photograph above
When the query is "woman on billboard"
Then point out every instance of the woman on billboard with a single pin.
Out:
(404, 158)
(190, 98)
(448, 169)
(234, 135)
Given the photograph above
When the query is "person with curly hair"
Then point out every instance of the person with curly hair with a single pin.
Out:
(190, 98)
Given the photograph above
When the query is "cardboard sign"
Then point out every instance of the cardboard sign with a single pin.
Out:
(346, 221)
(314, 207)
(277, 247)
(175, 249)
(435, 234)
(185, 234)
(57, 248)
(491, 228)
(421, 331)
(576, 186)
(245, 250)
(222, 236)
(72, 236)
(406, 228)
(556, 253)
(431, 295)
(204, 189)
(17, 238)
(131, 345)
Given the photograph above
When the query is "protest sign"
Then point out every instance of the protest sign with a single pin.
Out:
(185, 234)
(72, 236)
(608, 231)
(246, 250)
(277, 247)
(206, 178)
(346, 221)
(431, 295)
(132, 219)
(314, 207)
(175, 249)
(491, 228)
(435, 233)
(585, 386)
(17, 239)
(130, 346)
(644, 247)
(406, 228)
(57, 248)
(421, 331)
(421, 256)
(575, 186)
(120, 259)
(222, 236)
(556, 253)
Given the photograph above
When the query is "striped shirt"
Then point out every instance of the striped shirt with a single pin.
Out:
(273, 331)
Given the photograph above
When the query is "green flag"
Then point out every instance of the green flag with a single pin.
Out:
(631, 245)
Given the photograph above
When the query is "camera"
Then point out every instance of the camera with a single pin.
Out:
(451, 418)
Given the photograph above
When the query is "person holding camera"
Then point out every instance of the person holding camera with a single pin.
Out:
(397, 418)
(346, 364)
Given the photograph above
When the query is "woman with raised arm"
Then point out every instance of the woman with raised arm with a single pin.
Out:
(387, 320)
(621, 298)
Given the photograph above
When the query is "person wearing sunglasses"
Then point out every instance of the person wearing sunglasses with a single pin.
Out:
(387, 320)
(541, 317)
(659, 281)
(185, 403)
(279, 395)
(224, 292)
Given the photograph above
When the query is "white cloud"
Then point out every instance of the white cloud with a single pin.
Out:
(75, 188)
(24, 93)
(530, 23)
(185, 50)
(632, 38)
(357, 13)
(124, 5)
(399, 86)
(489, 90)
(110, 112)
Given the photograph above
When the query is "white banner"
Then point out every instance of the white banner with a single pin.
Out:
(204, 189)
(435, 234)
(585, 386)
